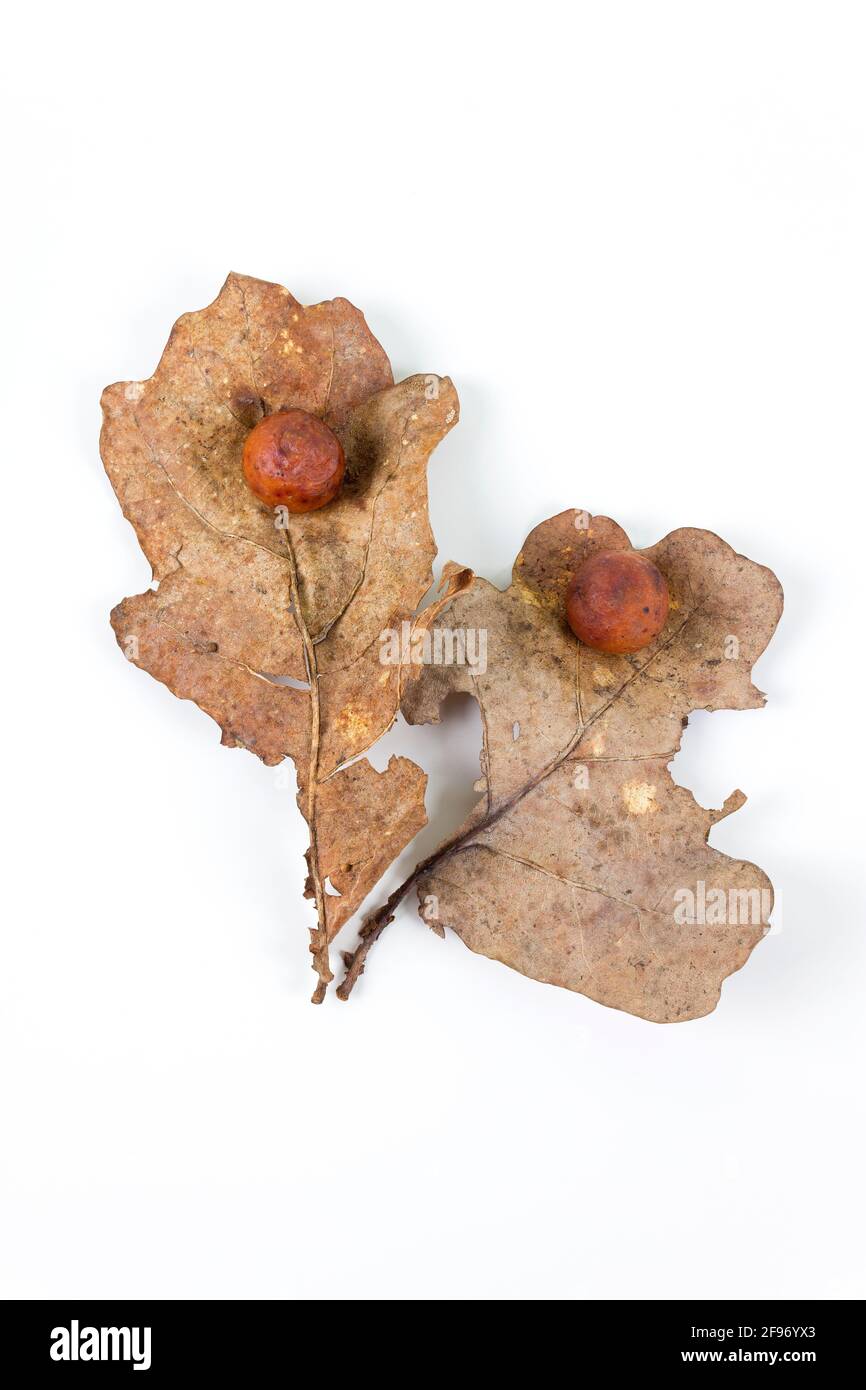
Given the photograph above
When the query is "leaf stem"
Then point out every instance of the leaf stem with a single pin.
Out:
(377, 921)
(319, 933)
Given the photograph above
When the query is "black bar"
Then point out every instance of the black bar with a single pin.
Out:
(255, 1338)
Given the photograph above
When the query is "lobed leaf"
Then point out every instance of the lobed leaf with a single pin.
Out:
(575, 864)
(271, 624)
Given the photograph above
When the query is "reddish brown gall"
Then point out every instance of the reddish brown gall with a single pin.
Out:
(617, 602)
(292, 459)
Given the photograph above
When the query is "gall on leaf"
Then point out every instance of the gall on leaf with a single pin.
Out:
(271, 621)
(583, 864)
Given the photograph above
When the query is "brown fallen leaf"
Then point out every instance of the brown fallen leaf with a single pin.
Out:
(583, 861)
(271, 623)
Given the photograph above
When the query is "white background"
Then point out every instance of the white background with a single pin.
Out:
(635, 235)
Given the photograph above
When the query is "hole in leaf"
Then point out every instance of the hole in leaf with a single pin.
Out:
(284, 680)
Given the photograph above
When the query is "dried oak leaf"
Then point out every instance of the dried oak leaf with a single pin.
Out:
(271, 623)
(575, 866)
